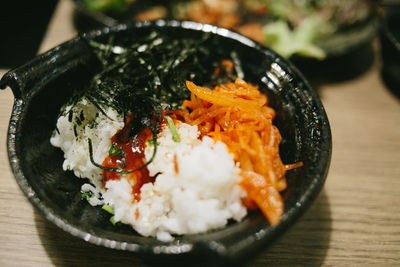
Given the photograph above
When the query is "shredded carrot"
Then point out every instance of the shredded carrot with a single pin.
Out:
(224, 98)
(237, 114)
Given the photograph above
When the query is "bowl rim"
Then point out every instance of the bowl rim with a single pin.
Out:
(388, 16)
(261, 238)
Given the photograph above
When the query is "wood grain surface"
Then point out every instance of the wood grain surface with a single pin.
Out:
(355, 221)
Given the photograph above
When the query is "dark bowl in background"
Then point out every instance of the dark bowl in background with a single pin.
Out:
(349, 52)
(390, 48)
(86, 19)
(44, 84)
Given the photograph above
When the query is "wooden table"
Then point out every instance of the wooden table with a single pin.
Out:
(354, 221)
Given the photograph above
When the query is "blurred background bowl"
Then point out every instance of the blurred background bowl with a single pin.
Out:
(348, 49)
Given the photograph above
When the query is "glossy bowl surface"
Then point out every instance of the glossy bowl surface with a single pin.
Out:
(43, 85)
(390, 48)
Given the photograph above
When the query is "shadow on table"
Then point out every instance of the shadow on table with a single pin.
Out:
(305, 244)
(66, 250)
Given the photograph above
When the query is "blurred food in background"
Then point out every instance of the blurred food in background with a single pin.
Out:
(108, 6)
(301, 26)
(290, 27)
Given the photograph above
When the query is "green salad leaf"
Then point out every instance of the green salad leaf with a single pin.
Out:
(106, 5)
(300, 40)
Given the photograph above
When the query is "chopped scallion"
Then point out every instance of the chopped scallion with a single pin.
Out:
(114, 150)
(86, 195)
(171, 125)
(108, 208)
(150, 142)
(112, 220)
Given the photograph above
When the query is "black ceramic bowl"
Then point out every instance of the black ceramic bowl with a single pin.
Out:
(390, 48)
(43, 85)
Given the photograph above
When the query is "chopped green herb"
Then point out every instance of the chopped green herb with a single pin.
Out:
(117, 170)
(112, 220)
(68, 167)
(114, 150)
(171, 125)
(150, 142)
(86, 195)
(108, 208)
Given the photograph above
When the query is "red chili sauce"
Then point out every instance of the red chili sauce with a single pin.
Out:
(133, 148)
